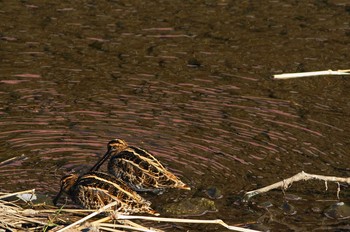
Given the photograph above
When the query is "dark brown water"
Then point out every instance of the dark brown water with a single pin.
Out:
(190, 81)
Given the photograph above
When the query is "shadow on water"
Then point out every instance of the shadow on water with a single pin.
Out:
(189, 81)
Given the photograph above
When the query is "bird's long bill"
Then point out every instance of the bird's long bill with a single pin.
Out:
(101, 161)
(153, 212)
(185, 186)
(57, 197)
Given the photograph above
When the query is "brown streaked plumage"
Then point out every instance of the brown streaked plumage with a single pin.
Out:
(138, 168)
(96, 189)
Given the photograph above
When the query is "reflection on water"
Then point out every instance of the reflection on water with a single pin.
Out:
(189, 81)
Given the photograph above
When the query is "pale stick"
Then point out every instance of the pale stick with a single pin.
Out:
(66, 210)
(89, 216)
(32, 191)
(284, 184)
(112, 230)
(105, 226)
(181, 220)
(135, 225)
(12, 159)
(310, 74)
(102, 222)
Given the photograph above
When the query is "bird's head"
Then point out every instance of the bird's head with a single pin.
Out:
(67, 183)
(117, 145)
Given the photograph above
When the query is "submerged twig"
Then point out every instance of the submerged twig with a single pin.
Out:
(284, 184)
(17, 158)
(310, 74)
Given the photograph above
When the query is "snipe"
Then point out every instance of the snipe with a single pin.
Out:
(138, 168)
(96, 189)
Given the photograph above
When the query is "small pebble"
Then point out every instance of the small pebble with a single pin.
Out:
(213, 193)
(265, 205)
(316, 209)
(292, 197)
(288, 209)
(339, 210)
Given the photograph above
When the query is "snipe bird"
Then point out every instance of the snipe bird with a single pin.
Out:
(138, 168)
(96, 189)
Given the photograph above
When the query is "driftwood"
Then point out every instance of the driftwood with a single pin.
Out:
(310, 74)
(286, 183)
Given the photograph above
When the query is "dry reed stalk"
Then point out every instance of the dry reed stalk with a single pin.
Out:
(76, 211)
(110, 226)
(106, 226)
(5, 162)
(135, 225)
(13, 217)
(102, 222)
(104, 208)
(181, 220)
(310, 74)
(7, 195)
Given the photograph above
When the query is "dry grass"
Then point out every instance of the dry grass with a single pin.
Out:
(15, 217)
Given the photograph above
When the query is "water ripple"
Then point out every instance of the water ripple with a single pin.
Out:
(195, 91)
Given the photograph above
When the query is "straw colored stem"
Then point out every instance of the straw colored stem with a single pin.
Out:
(133, 224)
(309, 74)
(14, 194)
(89, 216)
(102, 220)
(102, 223)
(180, 220)
(12, 160)
(108, 225)
(112, 230)
(66, 210)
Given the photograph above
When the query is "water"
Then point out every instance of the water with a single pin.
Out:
(190, 81)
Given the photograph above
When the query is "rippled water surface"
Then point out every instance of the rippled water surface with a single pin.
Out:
(190, 81)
